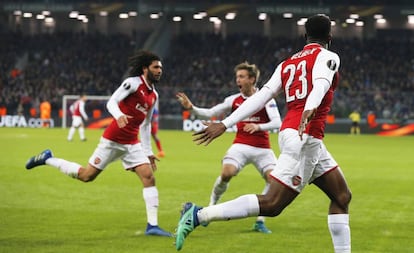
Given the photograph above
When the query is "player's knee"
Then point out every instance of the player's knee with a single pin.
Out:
(228, 172)
(270, 207)
(343, 199)
(86, 175)
(226, 177)
(274, 213)
(148, 180)
(87, 178)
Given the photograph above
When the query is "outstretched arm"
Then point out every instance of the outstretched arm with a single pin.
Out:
(205, 113)
(249, 107)
(208, 134)
(184, 100)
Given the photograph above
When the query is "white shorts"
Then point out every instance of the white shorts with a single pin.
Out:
(301, 162)
(108, 151)
(240, 155)
(76, 121)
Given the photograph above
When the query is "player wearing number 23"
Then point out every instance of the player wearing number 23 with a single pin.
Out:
(308, 79)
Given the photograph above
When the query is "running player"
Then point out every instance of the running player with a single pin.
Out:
(308, 79)
(251, 144)
(131, 105)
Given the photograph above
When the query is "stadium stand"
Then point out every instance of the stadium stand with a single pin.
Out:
(373, 78)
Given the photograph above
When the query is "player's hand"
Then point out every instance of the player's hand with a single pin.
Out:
(251, 128)
(152, 159)
(304, 121)
(123, 120)
(207, 135)
(184, 100)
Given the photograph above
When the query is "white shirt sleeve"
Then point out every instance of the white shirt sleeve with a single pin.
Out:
(325, 67)
(127, 87)
(320, 87)
(222, 108)
(257, 101)
(274, 117)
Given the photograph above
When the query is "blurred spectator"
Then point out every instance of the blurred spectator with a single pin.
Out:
(45, 112)
(373, 78)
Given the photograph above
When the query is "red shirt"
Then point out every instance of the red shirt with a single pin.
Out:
(257, 139)
(76, 108)
(137, 104)
(299, 84)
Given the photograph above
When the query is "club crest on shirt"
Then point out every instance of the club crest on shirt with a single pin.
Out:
(296, 180)
(97, 160)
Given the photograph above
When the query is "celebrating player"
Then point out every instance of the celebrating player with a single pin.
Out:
(78, 112)
(252, 144)
(131, 105)
(308, 79)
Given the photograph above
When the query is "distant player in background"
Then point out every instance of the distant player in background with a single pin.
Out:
(131, 106)
(78, 112)
(252, 144)
(154, 130)
(45, 112)
(356, 119)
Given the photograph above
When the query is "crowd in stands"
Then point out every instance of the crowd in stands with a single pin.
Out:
(46, 67)
(377, 75)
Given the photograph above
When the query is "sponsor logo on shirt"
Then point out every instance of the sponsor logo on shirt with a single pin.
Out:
(253, 119)
(142, 108)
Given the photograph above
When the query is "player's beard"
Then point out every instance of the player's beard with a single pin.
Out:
(152, 78)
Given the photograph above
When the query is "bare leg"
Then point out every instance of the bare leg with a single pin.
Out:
(333, 184)
(276, 199)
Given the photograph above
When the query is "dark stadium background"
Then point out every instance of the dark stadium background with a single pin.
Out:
(65, 56)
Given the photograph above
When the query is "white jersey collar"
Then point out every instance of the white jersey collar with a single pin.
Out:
(145, 82)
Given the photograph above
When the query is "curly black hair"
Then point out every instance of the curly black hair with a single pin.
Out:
(140, 60)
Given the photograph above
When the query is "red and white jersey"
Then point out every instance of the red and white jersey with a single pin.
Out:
(78, 109)
(298, 74)
(136, 99)
(268, 117)
(296, 77)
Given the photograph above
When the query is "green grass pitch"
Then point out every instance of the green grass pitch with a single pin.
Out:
(45, 211)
